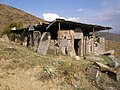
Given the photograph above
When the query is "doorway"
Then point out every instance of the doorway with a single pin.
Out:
(77, 46)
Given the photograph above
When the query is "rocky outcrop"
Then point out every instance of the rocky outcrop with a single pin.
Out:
(4, 38)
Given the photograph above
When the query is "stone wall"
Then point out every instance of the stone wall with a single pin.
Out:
(68, 42)
(93, 45)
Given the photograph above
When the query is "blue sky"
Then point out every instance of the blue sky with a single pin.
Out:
(102, 12)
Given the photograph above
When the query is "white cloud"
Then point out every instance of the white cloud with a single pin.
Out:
(106, 16)
(80, 10)
(51, 16)
(76, 19)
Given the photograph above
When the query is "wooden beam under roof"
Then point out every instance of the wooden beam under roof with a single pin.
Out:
(83, 26)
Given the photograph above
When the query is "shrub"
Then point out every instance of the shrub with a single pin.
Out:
(8, 27)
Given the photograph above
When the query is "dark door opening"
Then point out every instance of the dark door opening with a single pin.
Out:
(77, 46)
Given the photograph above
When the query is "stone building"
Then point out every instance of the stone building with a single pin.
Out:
(63, 37)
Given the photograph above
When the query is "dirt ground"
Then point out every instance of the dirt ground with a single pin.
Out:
(23, 69)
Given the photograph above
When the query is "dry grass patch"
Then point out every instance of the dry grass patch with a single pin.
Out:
(32, 71)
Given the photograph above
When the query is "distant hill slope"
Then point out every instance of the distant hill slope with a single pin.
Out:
(10, 14)
(114, 45)
(114, 42)
(111, 36)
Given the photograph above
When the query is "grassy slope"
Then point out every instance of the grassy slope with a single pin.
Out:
(9, 15)
(111, 36)
(114, 42)
(113, 45)
(22, 69)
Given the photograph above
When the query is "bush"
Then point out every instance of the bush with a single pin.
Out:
(8, 27)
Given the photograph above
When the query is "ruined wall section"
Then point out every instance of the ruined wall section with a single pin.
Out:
(66, 42)
(93, 45)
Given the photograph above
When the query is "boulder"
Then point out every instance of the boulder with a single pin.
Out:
(44, 43)
(77, 57)
(110, 52)
(106, 68)
(36, 39)
(93, 73)
(53, 48)
(113, 64)
(5, 38)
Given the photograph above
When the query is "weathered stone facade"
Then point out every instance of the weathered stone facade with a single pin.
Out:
(68, 42)
(67, 39)
(93, 45)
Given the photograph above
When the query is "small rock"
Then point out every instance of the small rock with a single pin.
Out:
(94, 58)
(10, 49)
(77, 57)
(113, 64)
(76, 77)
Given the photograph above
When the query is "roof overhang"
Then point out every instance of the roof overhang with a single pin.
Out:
(69, 25)
(84, 27)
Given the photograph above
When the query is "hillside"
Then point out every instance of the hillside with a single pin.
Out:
(111, 36)
(114, 42)
(10, 15)
(22, 69)
(113, 45)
